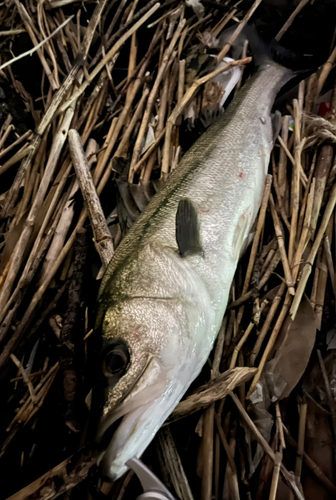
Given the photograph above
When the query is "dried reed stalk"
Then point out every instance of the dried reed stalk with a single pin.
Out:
(215, 390)
(267, 449)
(310, 260)
(238, 30)
(102, 235)
(254, 249)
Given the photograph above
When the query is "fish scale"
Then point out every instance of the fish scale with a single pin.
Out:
(165, 307)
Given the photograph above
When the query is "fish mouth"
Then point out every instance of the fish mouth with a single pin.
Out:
(127, 429)
(119, 449)
(137, 419)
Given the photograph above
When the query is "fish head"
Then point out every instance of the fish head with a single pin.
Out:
(143, 362)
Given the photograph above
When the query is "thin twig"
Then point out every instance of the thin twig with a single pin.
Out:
(327, 67)
(111, 53)
(310, 260)
(170, 460)
(102, 235)
(58, 480)
(37, 47)
(25, 235)
(254, 249)
(238, 30)
(25, 377)
(291, 19)
(266, 447)
(330, 397)
(312, 465)
(279, 234)
(301, 439)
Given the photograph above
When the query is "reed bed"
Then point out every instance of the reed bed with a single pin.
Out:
(116, 94)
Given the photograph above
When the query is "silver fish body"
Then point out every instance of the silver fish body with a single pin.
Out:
(167, 309)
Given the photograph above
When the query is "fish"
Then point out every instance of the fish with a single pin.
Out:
(165, 291)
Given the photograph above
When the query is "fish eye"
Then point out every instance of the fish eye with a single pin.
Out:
(116, 360)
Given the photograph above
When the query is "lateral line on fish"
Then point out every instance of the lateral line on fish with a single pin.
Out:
(147, 297)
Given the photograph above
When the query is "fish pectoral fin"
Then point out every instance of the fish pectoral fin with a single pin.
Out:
(187, 229)
(276, 125)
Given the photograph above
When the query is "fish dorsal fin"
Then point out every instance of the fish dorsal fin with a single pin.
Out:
(187, 229)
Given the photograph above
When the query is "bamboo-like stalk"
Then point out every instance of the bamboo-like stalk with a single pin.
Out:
(217, 469)
(305, 232)
(266, 276)
(280, 426)
(170, 459)
(29, 225)
(217, 389)
(112, 52)
(316, 278)
(303, 177)
(207, 451)
(37, 252)
(280, 205)
(238, 30)
(133, 53)
(327, 252)
(291, 19)
(6, 124)
(27, 135)
(305, 197)
(276, 475)
(295, 194)
(223, 22)
(180, 86)
(229, 454)
(25, 378)
(159, 132)
(152, 96)
(8, 130)
(254, 249)
(327, 67)
(245, 337)
(271, 341)
(262, 441)
(301, 439)
(118, 124)
(310, 260)
(135, 118)
(323, 166)
(279, 234)
(322, 279)
(310, 94)
(312, 465)
(330, 397)
(50, 112)
(268, 259)
(28, 23)
(207, 446)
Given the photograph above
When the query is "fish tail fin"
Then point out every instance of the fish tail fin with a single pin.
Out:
(261, 51)
(265, 52)
(271, 50)
(268, 50)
